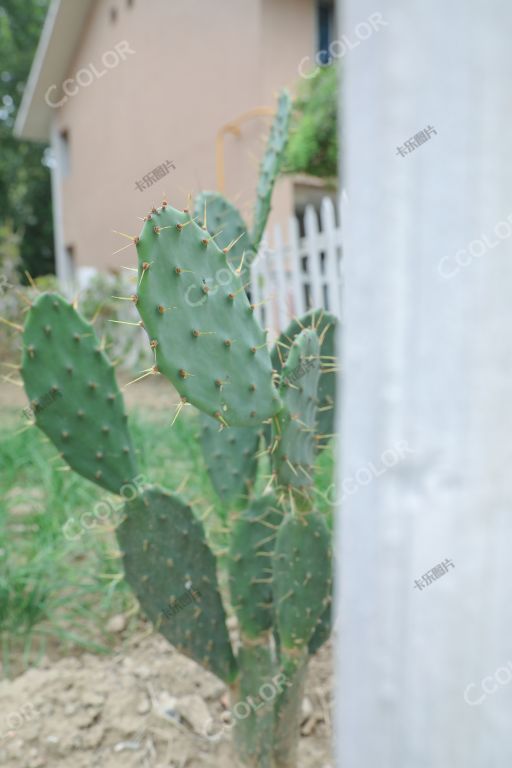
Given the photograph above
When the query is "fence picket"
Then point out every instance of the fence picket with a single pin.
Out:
(328, 219)
(304, 273)
(313, 252)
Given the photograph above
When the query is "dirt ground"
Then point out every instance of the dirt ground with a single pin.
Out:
(145, 707)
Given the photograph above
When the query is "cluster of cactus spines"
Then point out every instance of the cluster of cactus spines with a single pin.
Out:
(294, 427)
(86, 421)
(326, 326)
(226, 222)
(165, 555)
(230, 457)
(254, 735)
(253, 540)
(201, 326)
(271, 166)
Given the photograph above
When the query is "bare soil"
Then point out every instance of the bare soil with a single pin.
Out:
(145, 707)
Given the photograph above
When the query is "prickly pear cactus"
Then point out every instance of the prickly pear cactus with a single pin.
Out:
(200, 323)
(250, 570)
(205, 340)
(74, 395)
(225, 222)
(326, 326)
(230, 456)
(301, 578)
(294, 427)
(166, 559)
(270, 167)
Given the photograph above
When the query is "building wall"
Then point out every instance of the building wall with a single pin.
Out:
(196, 66)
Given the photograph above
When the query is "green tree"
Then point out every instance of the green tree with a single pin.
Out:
(313, 144)
(25, 195)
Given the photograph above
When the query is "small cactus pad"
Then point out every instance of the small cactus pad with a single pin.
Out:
(74, 395)
(271, 166)
(326, 326)
(223, 218)
(201, 326)
(172, 571)
(230, 458)
(301, 577)
(294, 427)
(250, 564)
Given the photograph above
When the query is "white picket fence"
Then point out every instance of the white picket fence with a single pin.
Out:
(288, 278)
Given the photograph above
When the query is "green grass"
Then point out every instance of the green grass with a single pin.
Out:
(60, 592)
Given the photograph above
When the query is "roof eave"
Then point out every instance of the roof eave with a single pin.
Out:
(62, 29)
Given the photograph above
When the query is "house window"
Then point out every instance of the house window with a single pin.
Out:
(63, 153)
(325, 16)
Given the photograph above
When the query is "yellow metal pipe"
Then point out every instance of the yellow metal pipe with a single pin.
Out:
(234, 127)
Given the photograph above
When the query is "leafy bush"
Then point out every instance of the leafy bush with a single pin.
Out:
(313, 144)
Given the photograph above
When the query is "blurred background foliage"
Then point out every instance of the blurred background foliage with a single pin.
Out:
(313, 144)
(25, 194)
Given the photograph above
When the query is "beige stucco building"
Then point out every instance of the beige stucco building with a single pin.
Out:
(133, 96)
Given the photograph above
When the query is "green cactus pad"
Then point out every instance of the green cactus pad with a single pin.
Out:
(73, 393)
(200, 323)
(301, 578)
(172, 571)
(250, 564)
(294, 427)
(326, 326)
(271, 166)
(224, 218)
(322, 630)
(230, 458)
